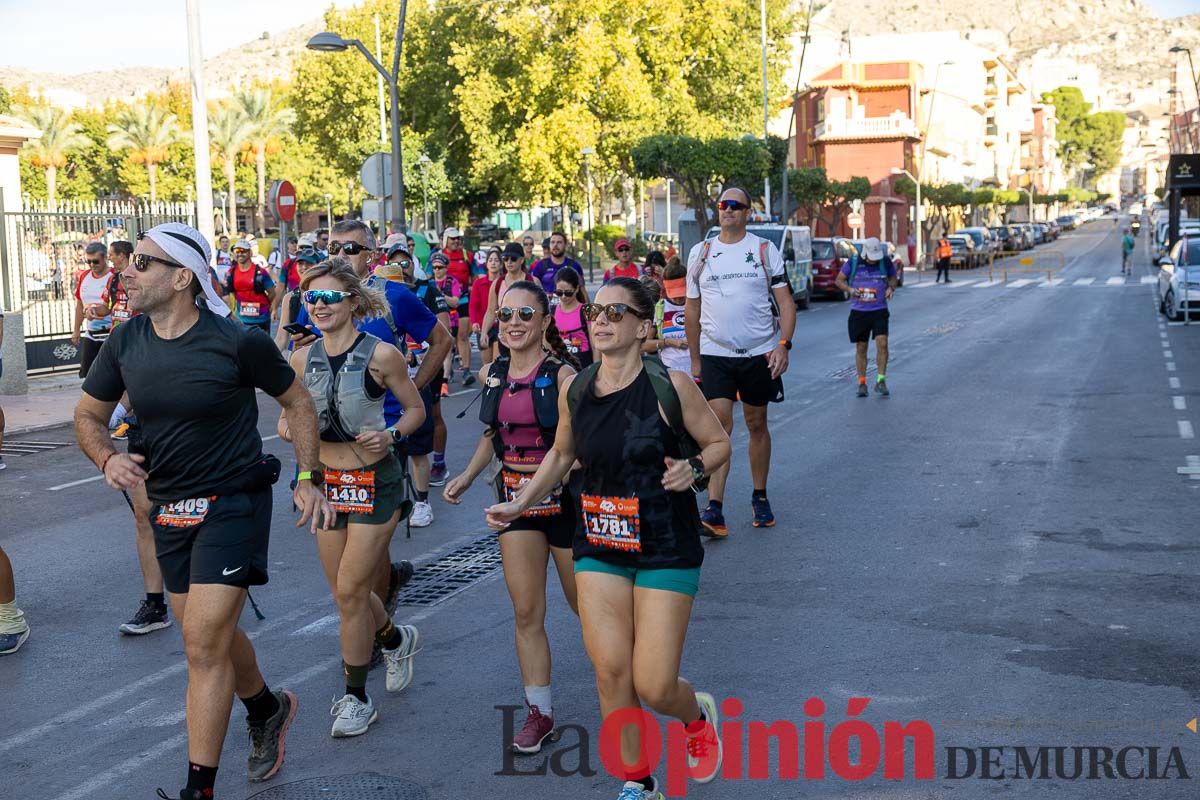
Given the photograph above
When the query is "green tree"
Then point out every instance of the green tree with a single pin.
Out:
(6, 105)
(808, 186)
(269, 121)
(229, 130)
(147, 132)
(1106, 132)
(1085, 136)
(841, 196)
(59, 138)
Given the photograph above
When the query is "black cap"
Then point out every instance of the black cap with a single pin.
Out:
(513, 250)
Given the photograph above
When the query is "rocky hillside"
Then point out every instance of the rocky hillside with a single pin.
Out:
(1125, 39)
(264, 59)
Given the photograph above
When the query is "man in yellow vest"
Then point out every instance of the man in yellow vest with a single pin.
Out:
(943, 259)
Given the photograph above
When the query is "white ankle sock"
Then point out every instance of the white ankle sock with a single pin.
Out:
(539, 696)
(13, 621)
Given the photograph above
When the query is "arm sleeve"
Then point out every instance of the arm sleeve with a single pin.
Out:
(774, 265)
(410, 313)
(261, 364)
(104, 381)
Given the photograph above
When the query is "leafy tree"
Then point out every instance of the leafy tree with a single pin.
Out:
(229, 130)
(59, 137)
(6, 104)
(1084, 136)
(808, 186)
(1107, 130)
(841, 196)
(268, 122)
(147, 132)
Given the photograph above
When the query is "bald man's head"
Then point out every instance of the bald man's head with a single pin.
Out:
(736, 193)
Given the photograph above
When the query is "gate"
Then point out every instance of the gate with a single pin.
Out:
(41, 254)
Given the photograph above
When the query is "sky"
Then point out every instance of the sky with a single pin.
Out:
(72, 36)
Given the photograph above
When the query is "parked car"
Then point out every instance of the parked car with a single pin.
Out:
(1042, 232)
(985, 244)
(829, 254)
(962, 251)
(1175, 298)
(1053, 229)
(1004, 236)
(795, 244)
(1067, 222)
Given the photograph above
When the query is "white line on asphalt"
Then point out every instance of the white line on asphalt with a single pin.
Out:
(987, 284)
(1115, 282)
(1149, 279)
(923, 285)
(961, 284)
(1185, 429)
(1174, 382)
(1084, 281)
(1168, 354)
(462, 391)
(269, 438)
(1017, 284)
(313, 627)
(76, 483)
(1162, 334)
(1170, 366)
(1053, 282)
(1179, 402)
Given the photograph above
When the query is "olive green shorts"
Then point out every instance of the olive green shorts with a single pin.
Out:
(389, 495)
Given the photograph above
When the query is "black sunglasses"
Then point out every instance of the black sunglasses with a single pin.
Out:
(94, 263)
(614, 312)
(506, 314)
(348, 248)
(732, 205)
(141, 262)
(564, 292)
(513, 258)
(622, 249)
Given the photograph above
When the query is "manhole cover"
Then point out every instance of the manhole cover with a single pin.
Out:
(363, 786)
(454, 572)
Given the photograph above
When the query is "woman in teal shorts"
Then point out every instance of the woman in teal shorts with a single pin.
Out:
(638, 552)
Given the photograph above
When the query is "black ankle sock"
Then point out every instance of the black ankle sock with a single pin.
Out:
(201, 778)
(422, 496)
(759, 494)
(356, 680)
(156, 598)
(647, 782)
(389, 636)
(358, 691)
(261, 706)
(717, 504)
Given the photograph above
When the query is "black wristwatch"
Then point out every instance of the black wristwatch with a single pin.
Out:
(697, 468)
(787, 343)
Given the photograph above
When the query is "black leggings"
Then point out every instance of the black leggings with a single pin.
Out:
(943, 268)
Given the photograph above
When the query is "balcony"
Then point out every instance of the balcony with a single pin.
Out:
(896, 126)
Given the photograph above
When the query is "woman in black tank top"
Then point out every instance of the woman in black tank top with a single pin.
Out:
(637, 553)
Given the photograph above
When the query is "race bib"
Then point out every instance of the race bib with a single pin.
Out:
(121, 314)
(184, 513)
(868, 295)
(350, 492)
(612, 522)
(514, 482)
(249, 309)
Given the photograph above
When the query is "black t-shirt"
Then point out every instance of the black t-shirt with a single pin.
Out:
(194, 397)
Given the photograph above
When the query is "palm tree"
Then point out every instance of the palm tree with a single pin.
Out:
(229, 129)
(269, 121)
(147, 132)
(58, 137)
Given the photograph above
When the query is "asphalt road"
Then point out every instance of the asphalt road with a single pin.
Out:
(1003, 549)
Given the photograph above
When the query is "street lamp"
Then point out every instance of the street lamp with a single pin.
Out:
(1195, 79)
(916, 211)
(328, 210)
(424, 161)
(587, 153)
(329, 42)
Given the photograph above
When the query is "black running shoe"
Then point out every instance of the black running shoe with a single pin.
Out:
(401, 574)
(186, 794)
(862, 390)
(881, 389)
(150, 617)
(267, 738)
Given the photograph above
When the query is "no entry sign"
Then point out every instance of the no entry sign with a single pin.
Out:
(282, 200)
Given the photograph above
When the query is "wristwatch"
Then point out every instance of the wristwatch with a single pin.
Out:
(397, 436)
(316, 477)
(787, 343)
(697, 468)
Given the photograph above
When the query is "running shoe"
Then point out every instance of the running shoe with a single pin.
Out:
(186, 794)
(121, 432)
(537, 728)
(352, 716)
(881, 389)
(267, 738)
(763, 518)
(445, 389)
(401, 574)
(400, 660)
(150, 617)
(862, 390)
(422, 514)
(468, 378)
(11, 642)
(700, 746)
(633, 790)
(713, 521)
(437, 474)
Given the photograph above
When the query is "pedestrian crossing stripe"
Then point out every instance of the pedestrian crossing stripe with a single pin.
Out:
(1085, 281)
(1024, 282)
(1115, 282)
(1017, 284)
(1054, 282)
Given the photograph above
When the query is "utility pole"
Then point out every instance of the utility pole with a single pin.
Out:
(203, 164)
(762, 13)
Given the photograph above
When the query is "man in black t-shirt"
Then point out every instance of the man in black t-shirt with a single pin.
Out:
(192, 373)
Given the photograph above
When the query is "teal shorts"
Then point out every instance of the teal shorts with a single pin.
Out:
(684, 581)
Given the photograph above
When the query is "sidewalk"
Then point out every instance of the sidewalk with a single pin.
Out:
(49, 404)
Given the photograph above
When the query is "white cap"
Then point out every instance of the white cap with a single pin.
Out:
(451, 233)
(185, 245)
(873, 249)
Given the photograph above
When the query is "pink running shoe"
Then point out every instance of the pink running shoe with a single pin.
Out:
(537, 729)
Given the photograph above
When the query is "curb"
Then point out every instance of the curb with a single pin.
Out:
(45, 426)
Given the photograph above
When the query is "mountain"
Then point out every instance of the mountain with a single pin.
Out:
(266, 59)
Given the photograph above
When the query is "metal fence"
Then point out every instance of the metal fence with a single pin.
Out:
(41, 255)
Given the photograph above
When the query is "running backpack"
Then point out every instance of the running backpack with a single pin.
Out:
(664, 391)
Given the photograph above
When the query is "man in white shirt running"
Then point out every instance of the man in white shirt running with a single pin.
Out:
(740, 317)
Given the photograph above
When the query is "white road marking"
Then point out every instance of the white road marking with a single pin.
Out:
(1115, 282)
(1162, 334)
(963, 284)
(1185, 429)
(1179, 402)
(1147, 279)
(319, 625)
(1174, 382)
(1085, 281)
(922, 285)
(76, 483)
(1168, 354)
(1170, 366)
(1052, 282)
(1192, 470)
(270, 438)
(1017, 284)
(987, 284)
(462, 391)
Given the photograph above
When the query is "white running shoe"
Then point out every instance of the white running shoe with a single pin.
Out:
(353, 716)
(699, 746)
(400, 661)
(633, 790)
(422, 515)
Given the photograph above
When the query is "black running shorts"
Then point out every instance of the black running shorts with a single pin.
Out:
(865, 325)
(219, 540)
(747, 378)
(559, 528)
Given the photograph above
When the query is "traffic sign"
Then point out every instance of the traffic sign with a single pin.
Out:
(376, 175)
(282, 200)
(854, 219)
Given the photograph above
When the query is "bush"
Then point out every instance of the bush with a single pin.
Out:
(607, 235)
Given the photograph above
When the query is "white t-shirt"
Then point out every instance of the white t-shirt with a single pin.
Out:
(90, 290)
(735, 305)
(673, 331)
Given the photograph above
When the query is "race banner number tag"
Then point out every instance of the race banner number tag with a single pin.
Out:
(350, 492)
(867, 295)
(184, 513)
(515, 481)
(249, 309)
(121, 314)
(612, 522)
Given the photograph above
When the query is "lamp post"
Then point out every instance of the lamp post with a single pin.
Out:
(328, 42)
(587, 153)
(762, 14)
(1195, 78)
(424, 161)
(328, 210)
(916, 212)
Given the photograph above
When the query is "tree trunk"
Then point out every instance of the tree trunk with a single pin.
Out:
(230, 170)
(260, 163)
(51, 187)
(152, 172)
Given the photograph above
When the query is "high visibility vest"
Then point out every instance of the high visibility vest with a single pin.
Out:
(943, 248)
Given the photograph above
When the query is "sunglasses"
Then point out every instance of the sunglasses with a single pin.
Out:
(614, 312)
(240, 251)
(732, 205)
(401, 264)
(326, 296)
(622, 249)
(506, 313)
(564, 292)
(347, 248)
(514, 258)
(92, 263)
(141, 262)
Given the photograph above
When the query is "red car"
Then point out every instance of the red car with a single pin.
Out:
(829, 254)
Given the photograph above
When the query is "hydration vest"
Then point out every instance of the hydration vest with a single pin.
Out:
(341, 398)
(545, 400)
(261, 276)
